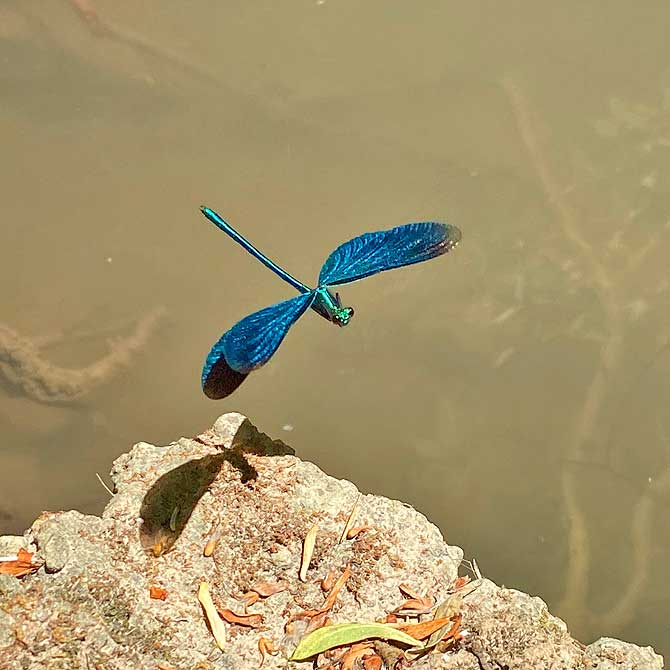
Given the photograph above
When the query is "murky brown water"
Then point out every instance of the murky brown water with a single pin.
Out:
(515, 391)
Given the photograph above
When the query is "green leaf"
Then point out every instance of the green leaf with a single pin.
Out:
(347, 633)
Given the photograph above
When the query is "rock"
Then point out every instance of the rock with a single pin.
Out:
(608, 654)
(91, 603)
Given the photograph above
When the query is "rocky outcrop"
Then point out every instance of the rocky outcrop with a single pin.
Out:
(232, 508)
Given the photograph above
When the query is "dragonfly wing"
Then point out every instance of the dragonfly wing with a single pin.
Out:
(251, 342)
(371, 253)
(218, 378)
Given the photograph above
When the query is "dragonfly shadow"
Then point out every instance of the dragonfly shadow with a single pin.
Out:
(167, 506)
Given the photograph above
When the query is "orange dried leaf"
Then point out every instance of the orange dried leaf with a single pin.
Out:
(157, 593)
(24, 555)
(414, 606)
(251, 620)
(266, 646)
(425, 629)
(357, 652)
(337, 587)
(20, 566)
(373, 663)
(327, 581)
(306, 614)
(460, 582)
(166, 666)
(355, 531)
(249, 598)
(266, 589)
(408, 591)
(319, 620)
(453, 632)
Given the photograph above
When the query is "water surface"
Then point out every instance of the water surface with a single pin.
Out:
(514, 391)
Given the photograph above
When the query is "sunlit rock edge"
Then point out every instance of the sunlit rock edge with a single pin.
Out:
(89, 605)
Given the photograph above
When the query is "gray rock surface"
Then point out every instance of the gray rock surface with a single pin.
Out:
(89, 605)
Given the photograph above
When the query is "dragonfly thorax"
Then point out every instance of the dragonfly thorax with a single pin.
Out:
(330, 307)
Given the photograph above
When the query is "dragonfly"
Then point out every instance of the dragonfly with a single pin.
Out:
(251, 342)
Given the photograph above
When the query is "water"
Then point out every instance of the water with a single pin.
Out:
(514, 391)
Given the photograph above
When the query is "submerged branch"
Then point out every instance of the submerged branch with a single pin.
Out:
(573, 605)
(550, 185)
(23, 365)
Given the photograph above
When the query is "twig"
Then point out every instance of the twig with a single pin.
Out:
(111, 493)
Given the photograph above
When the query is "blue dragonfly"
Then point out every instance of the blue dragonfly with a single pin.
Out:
(251, 342)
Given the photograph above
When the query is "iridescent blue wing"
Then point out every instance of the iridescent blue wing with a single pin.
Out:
(250, 343)
(371, 253)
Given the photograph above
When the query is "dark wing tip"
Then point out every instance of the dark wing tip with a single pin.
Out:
(222, 380)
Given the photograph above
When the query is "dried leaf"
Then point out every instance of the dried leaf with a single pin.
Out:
(319, 620)
(210, 546)
(330, 600)
(475, 569)
(373, 663)
(356, 653)
(425, 628)
(460, 582)
(249, 598)
(157, 593)
(414, 607)
(173, 518)
(251, 620)
(307, 551)
(350, 520)
(306, 614)
(449, 609)
(345, 634)
(21, 565)
(408, 591)
(443, 633)
(266, 646)
(453, 632)
(162, 543)
(266, 589)
(327, 581)
(351, 534)
(215, 623)
(332, 596)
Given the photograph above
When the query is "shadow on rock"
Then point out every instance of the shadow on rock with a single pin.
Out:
(169, 503)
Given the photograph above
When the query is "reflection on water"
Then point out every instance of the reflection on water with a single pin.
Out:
(515, 394)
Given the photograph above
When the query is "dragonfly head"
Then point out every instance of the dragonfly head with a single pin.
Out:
(342, 316)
